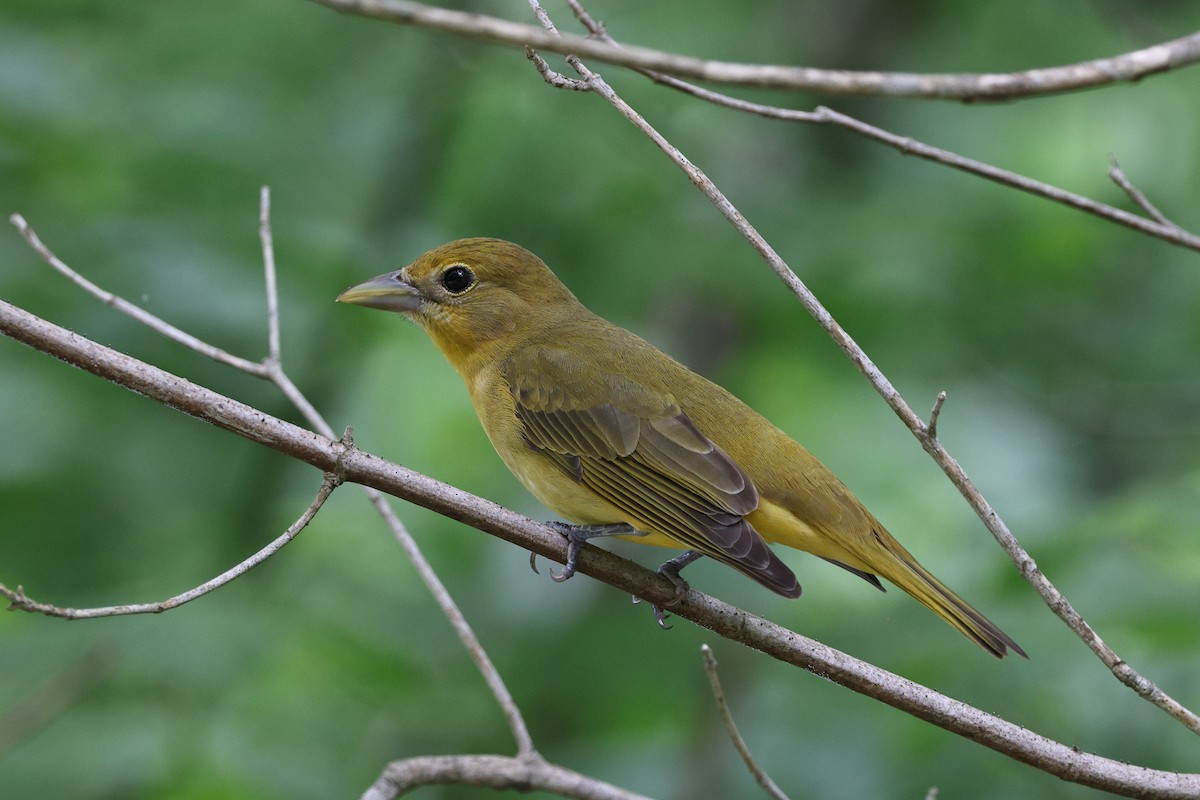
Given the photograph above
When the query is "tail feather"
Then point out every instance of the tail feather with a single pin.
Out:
(938, 598)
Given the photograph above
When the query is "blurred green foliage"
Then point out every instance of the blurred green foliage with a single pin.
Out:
(134, 137)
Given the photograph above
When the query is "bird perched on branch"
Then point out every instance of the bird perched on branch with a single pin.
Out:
(619, 438)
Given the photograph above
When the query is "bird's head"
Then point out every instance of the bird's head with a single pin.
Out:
(469, 294)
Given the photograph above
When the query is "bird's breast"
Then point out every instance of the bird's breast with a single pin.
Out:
(496, 407)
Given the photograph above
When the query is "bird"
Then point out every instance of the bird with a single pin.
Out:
(618, 438)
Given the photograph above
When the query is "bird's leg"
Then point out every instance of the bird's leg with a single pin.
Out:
(670, 571)
(578, 534)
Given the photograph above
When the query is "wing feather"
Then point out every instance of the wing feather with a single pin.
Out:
(641, 453)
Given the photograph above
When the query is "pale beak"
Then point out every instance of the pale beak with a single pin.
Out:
(388, 292)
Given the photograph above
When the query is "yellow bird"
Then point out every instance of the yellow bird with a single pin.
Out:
(619, 438)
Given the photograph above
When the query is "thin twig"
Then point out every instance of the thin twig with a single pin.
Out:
(268, 258)
(1131, 66)
(1118, 177)
(1024, 562)
(714, 682)
(939, 401)
(19, 601)
(727, 621)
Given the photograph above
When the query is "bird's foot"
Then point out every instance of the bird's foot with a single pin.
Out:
(670, 571)
(576, 535)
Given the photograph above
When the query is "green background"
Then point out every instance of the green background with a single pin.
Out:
(134, 136)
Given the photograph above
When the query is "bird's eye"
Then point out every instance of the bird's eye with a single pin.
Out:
(458, 279)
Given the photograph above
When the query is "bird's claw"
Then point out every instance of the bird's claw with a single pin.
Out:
(569, 569)
(670, 571)
(660, 614)
(557, 577)
(576, 535)
(681, 588)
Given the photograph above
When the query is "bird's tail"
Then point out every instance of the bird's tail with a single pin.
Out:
(933, 594)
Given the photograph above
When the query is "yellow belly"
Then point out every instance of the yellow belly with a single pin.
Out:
(778, 525)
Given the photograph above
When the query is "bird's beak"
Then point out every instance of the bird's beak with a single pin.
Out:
(388, 292)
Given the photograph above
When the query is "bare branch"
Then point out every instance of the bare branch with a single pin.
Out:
(714, 682)
(555, 79)
(1132, 66)
(19, 601)
(1118, 177)
(522, 774)
(727, 621)
(931, 428)
(1025, 563)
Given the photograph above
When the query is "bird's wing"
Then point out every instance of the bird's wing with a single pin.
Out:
(636, 448)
